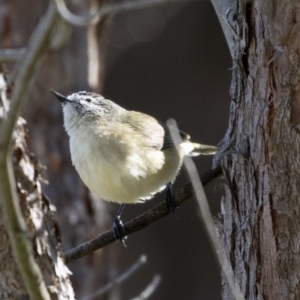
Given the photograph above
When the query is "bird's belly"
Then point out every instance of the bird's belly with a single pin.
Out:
(123, 178)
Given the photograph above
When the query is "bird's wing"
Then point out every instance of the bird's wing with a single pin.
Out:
(155, 134)
(151, 132)
(168, 142)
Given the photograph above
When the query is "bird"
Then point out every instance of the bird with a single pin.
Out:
(123, 156)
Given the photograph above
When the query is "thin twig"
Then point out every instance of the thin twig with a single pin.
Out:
(107, 9)
(206, 216)
(15, 223)
(61, 35)
(11, 54)
(221, 7)
(149, 290)
(139, 222)
(137, 265)
(58, 40)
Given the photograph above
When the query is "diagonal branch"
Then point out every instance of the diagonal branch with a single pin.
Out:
(139, 222)
(150, 288)
(135, 267)
(206, 216)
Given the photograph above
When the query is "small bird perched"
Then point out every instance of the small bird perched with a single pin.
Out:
(123, 156)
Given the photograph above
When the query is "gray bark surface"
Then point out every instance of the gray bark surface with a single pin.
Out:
(39, 217)
(259, 223)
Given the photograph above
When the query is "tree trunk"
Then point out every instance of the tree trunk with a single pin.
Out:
(38, 213)
(259, 222)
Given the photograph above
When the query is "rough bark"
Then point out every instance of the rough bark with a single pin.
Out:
(259, 223)
(39, 216)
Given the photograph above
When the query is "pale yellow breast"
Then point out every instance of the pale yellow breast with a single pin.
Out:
(122, 172)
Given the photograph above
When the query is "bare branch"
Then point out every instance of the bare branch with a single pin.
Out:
(25, 70)
(107, 9)
(15, 223)
(231, 17)
(11, 54)
(221, 7)
(149, 290)
(58, 40)
(137, 265)
(206, 215)
(140, 222)
(61, 35)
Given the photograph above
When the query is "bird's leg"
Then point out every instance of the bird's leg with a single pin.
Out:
(118, 227)
(169, 199)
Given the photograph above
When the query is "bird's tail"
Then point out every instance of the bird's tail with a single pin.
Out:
(200, 149)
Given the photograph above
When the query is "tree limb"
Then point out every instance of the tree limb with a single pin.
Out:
(15, 223)
(228, 13)
(139, 222)
(135, 267)
(106, 9)
(11, 54)
(150, 288)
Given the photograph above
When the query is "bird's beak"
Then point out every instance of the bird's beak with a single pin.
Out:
(60, 97)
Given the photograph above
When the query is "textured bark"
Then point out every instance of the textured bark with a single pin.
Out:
(42, 228)
(259, 223)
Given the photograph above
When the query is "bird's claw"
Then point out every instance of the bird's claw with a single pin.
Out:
(119, 231)
(170, 201)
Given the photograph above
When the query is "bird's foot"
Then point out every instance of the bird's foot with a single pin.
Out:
(170, 200)
(119, 231)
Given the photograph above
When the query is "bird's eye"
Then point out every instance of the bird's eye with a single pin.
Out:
(88, 100)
